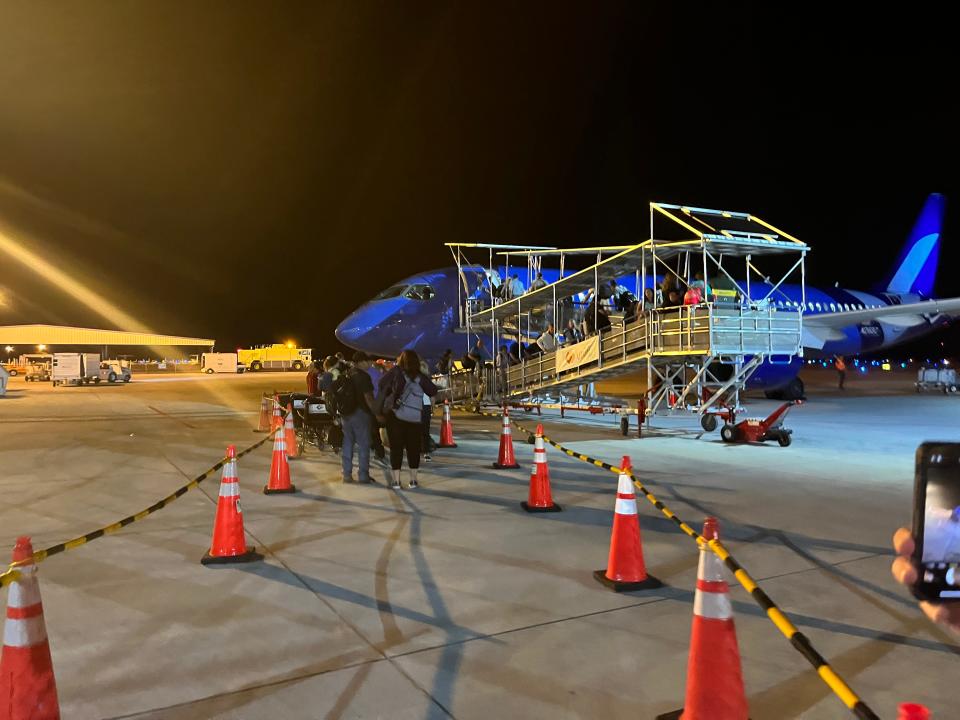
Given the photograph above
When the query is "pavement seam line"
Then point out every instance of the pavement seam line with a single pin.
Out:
(332, 608)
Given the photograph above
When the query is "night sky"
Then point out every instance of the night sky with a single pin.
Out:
(253, 172)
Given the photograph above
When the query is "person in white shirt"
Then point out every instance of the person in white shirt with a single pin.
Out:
(548, 340)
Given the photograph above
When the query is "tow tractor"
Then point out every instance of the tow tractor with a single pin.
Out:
(752, 430)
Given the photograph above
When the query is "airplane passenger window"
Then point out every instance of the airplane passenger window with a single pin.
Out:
(391, 292)
(818, 306)
(833, 308)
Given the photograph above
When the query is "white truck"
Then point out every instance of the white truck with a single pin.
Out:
(220, 363)
(75, 368)
(114, 371)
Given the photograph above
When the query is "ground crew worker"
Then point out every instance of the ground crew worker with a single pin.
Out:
(841, 367)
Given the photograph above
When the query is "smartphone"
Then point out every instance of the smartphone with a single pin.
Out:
(936, 521)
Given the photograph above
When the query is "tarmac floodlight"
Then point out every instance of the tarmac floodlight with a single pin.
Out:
(41, 347)
(9, 348)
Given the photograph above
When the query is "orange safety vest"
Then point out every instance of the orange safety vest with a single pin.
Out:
(840, 364)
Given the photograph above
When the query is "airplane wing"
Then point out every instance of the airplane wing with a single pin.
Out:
(822, 328)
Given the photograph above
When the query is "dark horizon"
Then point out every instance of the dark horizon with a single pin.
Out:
(254, 174)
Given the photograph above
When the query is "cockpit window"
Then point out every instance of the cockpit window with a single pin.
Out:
(391, 292)
(419, 292)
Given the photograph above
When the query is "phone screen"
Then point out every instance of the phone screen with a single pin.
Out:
(940, 550)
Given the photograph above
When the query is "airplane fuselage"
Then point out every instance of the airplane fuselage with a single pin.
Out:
(407, 315)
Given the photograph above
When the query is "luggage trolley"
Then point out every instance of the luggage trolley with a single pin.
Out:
(312, 423)
(943, 380)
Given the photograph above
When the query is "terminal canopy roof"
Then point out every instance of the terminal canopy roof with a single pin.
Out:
(62, 335)
(718, 232)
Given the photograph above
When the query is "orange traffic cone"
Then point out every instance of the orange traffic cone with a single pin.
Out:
(539, 498)
(28, 690)
(714, 679)
(626, 570)
(290, 435)
(229, 544)
(264, 423)
(446, 427)
(506, 460)
(279, 481)
(277, 421)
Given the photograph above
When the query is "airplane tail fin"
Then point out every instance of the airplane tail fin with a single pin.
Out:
(916, 268)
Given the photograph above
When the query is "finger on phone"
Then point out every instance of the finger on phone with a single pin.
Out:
(903, 571)
(937, 613)
(903, 542)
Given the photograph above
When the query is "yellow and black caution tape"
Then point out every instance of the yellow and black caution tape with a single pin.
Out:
(11, 573)
(799, 641)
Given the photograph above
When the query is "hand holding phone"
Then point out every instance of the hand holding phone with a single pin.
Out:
(905, 573)
(936, 523)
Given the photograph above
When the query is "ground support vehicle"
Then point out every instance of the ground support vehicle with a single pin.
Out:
(114, 371)
(756, 430)
(940, 379)
(211, 363)
(37, 372)
(75, 369)
(275, 357)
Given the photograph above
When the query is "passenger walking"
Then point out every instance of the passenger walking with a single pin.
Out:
(426, 416)
(538, 283)
(331, 370)
(571, 336)
(603, 319)
(503, 362)
(473, 360)
(363, 363)
(350, 398)
(313, 377)
(513, 288)
(547, 342)
(841, 367)
(445, 362)
(400, 407)
(649, 299)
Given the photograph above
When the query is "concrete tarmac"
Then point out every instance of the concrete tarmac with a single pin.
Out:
(450, 601)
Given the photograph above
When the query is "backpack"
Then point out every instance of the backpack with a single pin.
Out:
(343, 395)
(409, 406)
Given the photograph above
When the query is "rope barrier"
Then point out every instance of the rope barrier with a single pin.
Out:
(11, 573)
(797, 639)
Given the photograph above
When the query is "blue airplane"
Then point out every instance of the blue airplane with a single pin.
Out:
(421, 312)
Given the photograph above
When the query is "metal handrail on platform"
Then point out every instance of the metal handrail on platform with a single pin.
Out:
(704, 330)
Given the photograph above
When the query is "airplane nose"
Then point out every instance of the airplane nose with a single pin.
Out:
(351, 330)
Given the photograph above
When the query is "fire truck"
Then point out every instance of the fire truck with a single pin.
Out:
(275, 357)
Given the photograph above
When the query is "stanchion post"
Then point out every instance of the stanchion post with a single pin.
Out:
(641, 416)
